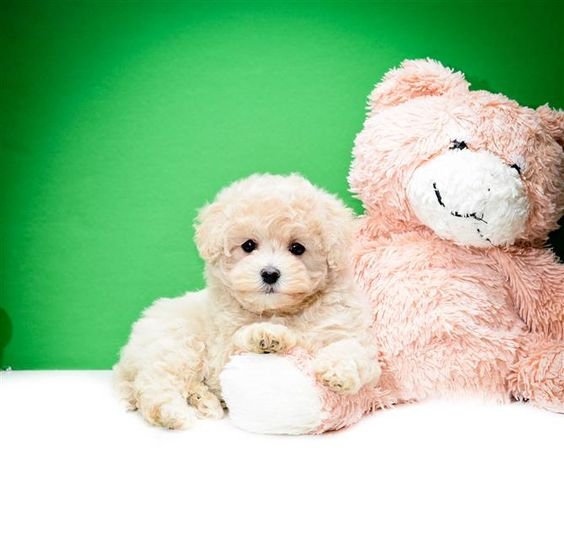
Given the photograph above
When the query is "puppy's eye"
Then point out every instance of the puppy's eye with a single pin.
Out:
(460, 145)
(249, 246)
(297, 249)
(517, 167)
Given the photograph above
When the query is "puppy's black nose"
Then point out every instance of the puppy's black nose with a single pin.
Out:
(270, 275)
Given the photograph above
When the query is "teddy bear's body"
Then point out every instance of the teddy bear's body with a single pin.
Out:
(461, 189)
(448, 318)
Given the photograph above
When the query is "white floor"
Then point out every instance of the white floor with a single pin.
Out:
(80, 477)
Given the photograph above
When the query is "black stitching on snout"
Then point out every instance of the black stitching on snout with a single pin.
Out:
(473, 215)
(516, 167)
(483, 236)
(460, 145)
(438, 194)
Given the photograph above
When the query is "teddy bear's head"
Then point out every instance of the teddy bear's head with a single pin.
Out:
(475, 167)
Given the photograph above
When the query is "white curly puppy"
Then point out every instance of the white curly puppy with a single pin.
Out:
(279, 275)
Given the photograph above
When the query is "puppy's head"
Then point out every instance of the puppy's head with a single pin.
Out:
(274, 241)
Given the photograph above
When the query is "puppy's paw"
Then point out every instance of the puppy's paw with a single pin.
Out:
(174, 414)
(206, 404)
(265, 337)
(341, 376)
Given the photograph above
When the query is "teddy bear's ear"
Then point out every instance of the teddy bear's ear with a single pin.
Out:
(553, 121)
(415, 78)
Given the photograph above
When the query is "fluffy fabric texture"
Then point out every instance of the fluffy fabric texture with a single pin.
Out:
(460, 189)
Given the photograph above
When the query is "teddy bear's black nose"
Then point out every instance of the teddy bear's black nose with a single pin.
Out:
(270, 275)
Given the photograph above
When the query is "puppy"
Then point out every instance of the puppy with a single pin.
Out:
(279, 276)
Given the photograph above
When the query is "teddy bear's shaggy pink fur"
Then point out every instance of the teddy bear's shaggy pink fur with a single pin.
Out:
(453, 317)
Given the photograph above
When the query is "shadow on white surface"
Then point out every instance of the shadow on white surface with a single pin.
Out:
(80, 476)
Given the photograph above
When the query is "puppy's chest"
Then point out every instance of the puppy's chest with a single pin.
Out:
(219, 339)
(313, 329)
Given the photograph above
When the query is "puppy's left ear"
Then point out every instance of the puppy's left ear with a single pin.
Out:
(209, 226)
(339, 224)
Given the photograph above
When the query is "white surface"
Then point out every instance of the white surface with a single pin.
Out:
(80, 477)
(258, 395)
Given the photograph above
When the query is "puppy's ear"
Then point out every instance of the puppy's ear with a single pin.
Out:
(339, 225)
(209, 226)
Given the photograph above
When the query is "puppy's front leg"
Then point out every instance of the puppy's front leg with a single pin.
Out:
(160, 398)
(169, 389)
(346, 366)
(264, 337)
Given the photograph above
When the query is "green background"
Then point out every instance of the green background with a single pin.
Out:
(120, 119)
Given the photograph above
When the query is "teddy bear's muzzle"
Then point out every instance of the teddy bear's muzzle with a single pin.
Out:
(470, 197)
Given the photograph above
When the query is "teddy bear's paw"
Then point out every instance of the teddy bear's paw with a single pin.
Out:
(340, 376)
(264, 337)
(207, 405)
(174, 414)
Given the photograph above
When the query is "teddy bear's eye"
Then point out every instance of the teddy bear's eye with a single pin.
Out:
(297, 249)
(249, 246)
(460, 145)
(517, 167)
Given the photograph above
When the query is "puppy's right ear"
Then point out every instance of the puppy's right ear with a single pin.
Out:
(339, 223)
(209, 226)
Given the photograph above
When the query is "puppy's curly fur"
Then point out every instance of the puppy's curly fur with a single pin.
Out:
(301, 237)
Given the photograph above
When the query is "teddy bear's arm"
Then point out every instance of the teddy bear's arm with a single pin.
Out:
(536, 282)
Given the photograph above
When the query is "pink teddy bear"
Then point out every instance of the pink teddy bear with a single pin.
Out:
(461, 189)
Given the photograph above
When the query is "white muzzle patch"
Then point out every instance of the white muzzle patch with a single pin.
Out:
(471, 198)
